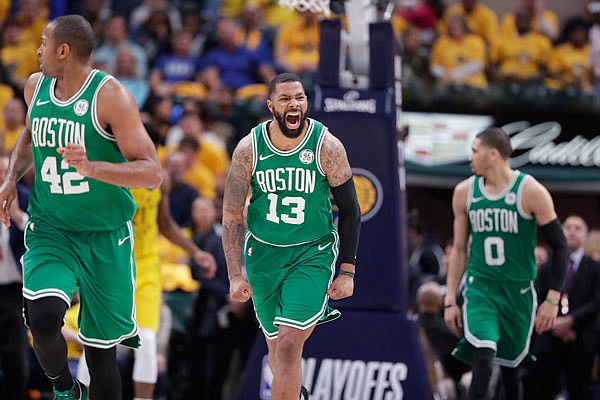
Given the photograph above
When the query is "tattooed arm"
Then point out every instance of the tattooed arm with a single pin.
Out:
(334, 162)
(234, 201)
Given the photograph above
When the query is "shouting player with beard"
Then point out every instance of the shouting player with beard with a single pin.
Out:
(290, 166)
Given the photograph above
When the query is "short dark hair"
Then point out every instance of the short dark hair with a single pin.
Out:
(75, 31)
(282, 78)
(496, 138)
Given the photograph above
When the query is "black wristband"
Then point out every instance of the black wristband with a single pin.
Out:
(349, 273)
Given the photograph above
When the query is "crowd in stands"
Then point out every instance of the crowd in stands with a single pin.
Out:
(468, 55)
(199, 72)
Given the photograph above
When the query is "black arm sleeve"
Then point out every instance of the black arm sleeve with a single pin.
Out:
(560, 253)
(349, 220)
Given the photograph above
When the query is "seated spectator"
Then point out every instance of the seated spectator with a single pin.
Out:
(96, 12)
(154, 36)
(18, 55)
(159, 111)
(594, 36)
(459, 58)
(253, 33)
(182, 194)
(191, 22)
(544, 20)
(521, 58)
(426, 256)
(423, 14)
(140, 13)
(125, 72)
(33, 18)
(176, 72)
(415, 57)
(197, 174)
(569, 65)
(14, 122)
(210, 154)
(480, 19)
(115, 38)
(233, 65)
(297, 45)
(583, 17)
(430, 300)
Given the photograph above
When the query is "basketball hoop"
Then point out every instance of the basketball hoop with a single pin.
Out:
(314, 6)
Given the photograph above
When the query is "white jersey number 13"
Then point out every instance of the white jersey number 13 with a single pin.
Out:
(296, 204)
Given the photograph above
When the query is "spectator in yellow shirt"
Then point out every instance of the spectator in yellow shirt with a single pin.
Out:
(297, 45)
(569, 66)
(459, 58)
(19, 56)
(14, 122)
(543, 21)
(480, 19)
(521, 59)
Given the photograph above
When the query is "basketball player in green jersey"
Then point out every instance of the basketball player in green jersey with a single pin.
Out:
(501, 209)
(290, 166)
(87, 144)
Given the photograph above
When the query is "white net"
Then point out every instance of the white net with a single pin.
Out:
(314, 6)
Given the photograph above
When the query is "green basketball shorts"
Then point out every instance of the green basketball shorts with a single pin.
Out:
(290, 283)
(499, 316)
(99, 264)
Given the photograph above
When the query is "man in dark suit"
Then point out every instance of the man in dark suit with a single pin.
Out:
(568, 349)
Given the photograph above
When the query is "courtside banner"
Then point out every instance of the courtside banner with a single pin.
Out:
(360, 356)
(365, 122)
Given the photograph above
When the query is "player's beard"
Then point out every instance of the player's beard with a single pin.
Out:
(290, 133)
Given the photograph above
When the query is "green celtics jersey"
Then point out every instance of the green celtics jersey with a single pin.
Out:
(60, 196)
(503, 235)
(290, 201)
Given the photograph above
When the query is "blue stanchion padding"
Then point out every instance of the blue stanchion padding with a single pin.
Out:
(365, 123)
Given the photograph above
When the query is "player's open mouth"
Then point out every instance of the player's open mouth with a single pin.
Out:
(292, 120)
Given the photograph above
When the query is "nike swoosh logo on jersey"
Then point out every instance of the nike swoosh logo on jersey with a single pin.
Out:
(476, 199)
(323, 247)
(42, 102)
(525, 290)
(121, 241)
(261, 157)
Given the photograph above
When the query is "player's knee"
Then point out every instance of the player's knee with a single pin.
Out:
(145, 366)
(45, 316)
(289, 348)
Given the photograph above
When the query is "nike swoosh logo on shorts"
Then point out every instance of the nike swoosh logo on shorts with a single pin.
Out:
(323, 247)
(525, 290)
(42, 102)
(121, 241)
(261, 157)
